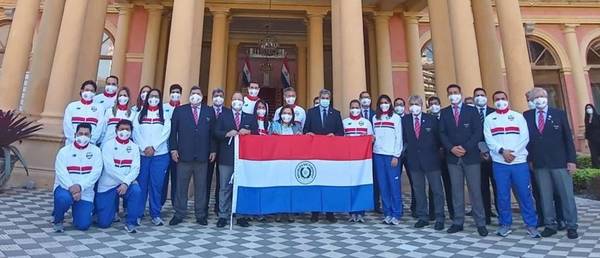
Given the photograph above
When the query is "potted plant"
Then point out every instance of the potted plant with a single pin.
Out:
(14, 127)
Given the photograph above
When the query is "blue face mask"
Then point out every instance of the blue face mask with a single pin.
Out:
(324, 103)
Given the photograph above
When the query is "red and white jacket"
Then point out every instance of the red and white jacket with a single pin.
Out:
(357, 126)
(106, 101)
(79, 112)
(168, 108)
(249, 103)
(506, 130)
(388, 135)
(112, 119)
(78, 165)
(121, 164)
(152, 132)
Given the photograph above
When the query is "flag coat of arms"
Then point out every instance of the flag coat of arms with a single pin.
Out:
(275, 174)
(246, 72)
(285, 74)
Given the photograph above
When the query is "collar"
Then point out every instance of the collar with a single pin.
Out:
(259, 118)
(217, 107)
(252, 98)
(293, 106)
(459, 105)
(545, 110)
(355, 117)
(174, 103)
(108, 95)
(86, 102)
(504, 111)
(389, 113)
(80, 147)
(151, 108)
(122, 141)
(122, 107)
(323, 108)
(417, 117)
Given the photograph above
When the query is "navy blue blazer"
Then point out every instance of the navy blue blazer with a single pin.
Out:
(371, 114)
(333, 124)
(468, 134)
(422, 154)
(226, 123)
(554, 147)
(193, 142)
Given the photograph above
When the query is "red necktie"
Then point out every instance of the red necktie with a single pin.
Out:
(456, 115)
(237, 120)
(417, 127)
(541, 121)
(195, 113)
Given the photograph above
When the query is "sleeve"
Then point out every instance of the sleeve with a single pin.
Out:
(398, 141)
(493, 145)
(303, 120)
(164, 134)
(173, 139)
(107, 156)
(138, 137)
(100, 126)
(339, 128)
(213, 145)
(521, 146)
(369, 127)
(254, 126)
(220, 131)
(68, 129)
(90, 181)
(135, 167)
(404, 132)
(276, 114)
(444, 139)
(571, 154)
(106, 118)
(477, 131)
(60, 166)
(307, 124)
(271, 128)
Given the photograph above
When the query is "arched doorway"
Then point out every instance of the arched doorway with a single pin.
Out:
(593, 61)
(106, 54)
(428, 69)
(546, 70)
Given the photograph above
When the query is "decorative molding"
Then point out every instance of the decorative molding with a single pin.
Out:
(557, 47)
(423, 39)
(585, 42)
(134, 57)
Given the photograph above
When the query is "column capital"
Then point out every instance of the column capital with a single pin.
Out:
(316, 13)
(412, 17)
(124, 8)
(153, 7)
(383, 14)
(218, 10)
(570, 27)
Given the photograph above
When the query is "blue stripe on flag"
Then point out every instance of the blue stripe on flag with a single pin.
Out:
(294, 199)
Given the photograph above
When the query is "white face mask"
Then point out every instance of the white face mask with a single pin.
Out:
(365, 102)
(286, 118)
(399, 110)
(195, 99)
(290, 100)
(471, 105)
(253, 92)
(324, 102)
(153, 101)
(384, 107)
(501, 104)
(123, 100)
(261, 112)
(589, 111)
(435, 108)
(218, 101)
(530, 104)
(82, 140)
(455, 98)
(175, 96)
(87, 95)
(541, 102)
(110, 89)
(355, 112)
(415, 109)
(237, 104)
(143, 95)
(480, 101)
(123, 135)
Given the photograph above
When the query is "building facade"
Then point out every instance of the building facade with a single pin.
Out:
(394, 47)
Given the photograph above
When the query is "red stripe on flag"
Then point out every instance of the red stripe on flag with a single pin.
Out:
(305, 147)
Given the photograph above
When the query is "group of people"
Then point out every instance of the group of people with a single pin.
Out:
(145, 145)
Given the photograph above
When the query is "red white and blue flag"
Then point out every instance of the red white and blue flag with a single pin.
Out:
(285, 74)
(246, 72)
(302, 173)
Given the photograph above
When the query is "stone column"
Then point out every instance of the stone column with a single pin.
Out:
(488, 45)
(443, 54)
(226, 55)
(384, 53)
(161, 62)
(316, 68)
(43, 55)
(121, 41)
(151, 44)
(516, 57)
(413, 49)
(354, 79)
(582, 89)
(465, 45)
(217, 49)
(373, 80)
(336, 54)
(302, 98)
(16, 57)
(232, 69)
(64, 67)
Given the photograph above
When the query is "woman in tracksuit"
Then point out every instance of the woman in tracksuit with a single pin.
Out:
(121, 110)
(151, 132)
(387, 129)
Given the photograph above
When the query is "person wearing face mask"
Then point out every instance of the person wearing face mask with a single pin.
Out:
(261, 113)
(218, 98)
(192, 148)
(84, 111)
(421, 136)
(365, 105)
(323, 120)
(399, 107)
(592, 133)
(107, 99)
(552, 152)
(141, 99)
(469, 101)
(169, 108)
(231, 123)
(289, 96)
(460, 134)
(174, 100)
(121, 110)
(78, 166)
(507, 135)
(251, 98)
(434, 106)
(529, 99)
(284, 124)
(121, 167)
(316, 101)
(151, 133)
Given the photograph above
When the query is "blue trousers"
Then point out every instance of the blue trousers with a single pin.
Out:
(517, 177)
(105, 208)
(388, 178)
(82, 210)
(151, 180)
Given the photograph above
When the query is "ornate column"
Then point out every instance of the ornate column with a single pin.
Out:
(582, 89)
(16, 58)
(443, 54)
(161, 61)
(121, 40)
(354, 79)
(218, 49)
(488, 45)
(302, 99)
(373, 74)
(415, 66)
(151, 44)
(315, 50)
(384, 53)
(232, 69)
(336, 54)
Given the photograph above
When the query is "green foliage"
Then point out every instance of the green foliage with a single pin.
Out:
(14, 127)
(584, 162)
(583, 177)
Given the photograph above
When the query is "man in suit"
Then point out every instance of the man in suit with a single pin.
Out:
(324, 120)
(421, 136)
(368, 113)
(192, 147)
(218, 98)
(231, 122)
(480, 100)
(434, 110)
(552, 153)
(460, 134)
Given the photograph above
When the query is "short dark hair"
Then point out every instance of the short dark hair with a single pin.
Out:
(432, 98)
(195, 87)
(500, 92)
(124, 122)
(83, 126)
(363, 92)
(404, 102)
(453, 86)
(89, 82)
(479, 89)
(354, 101)
(175, 87)
(114, 77)
(315, 99)
(281, 113)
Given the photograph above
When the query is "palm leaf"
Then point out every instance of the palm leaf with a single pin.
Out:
(7, 167)
(19, 158)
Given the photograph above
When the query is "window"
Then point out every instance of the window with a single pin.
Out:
(428, 69)
(106, 54)
(593, 61)
(546, 71)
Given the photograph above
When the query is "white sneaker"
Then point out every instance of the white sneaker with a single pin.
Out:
(352, 218)
(360, 218)
(58, 227)
(394, 221)
(387, 220)
(138, 221)
(116, 218)
(157, 221)
(130, 229)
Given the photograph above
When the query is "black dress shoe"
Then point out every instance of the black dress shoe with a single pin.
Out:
(378, 210)
(488, 221)
(221, 223)
(432, 218)
(454, 228)
(548, 232)
(439, 226)
(560, 225)
(572, 233)
(330, 217)
(202, 221)
(175, 220)
(482, 231)
(314, 217)
(470, 213)
(421, 224)
(242, 222)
